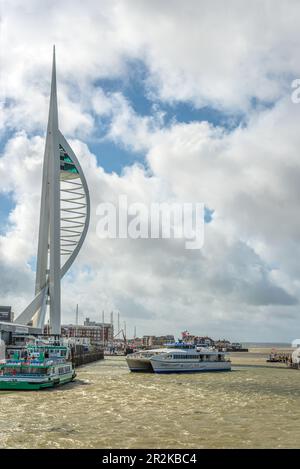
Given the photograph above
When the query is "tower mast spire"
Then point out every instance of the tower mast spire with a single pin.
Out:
(63, 228)
(48, 266)
(54, 202)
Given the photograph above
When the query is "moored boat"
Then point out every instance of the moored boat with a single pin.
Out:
(37, 367)
(178, 360)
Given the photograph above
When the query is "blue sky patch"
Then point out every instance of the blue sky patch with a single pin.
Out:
(208, 214)
(32, 263)
(113, 157)
(135, 88)
(6, 206)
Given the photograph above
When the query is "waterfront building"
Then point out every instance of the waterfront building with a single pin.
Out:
(97, 334)
(197, 339)
(204, 341)
(6, 314)
(108, 327)
(222, 344)
(136, 342)
(158, 341)
(147, 340)
(9, 331)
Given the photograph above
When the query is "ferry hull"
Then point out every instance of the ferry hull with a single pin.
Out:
(208, 370)
(10, 385)
(172, 367)
(139, 365)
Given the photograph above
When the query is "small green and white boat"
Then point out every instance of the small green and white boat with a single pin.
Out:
(37, 367)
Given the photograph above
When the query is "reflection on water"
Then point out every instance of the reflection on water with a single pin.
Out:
(108, 407)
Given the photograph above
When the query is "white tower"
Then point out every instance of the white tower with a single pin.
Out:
(64, 220)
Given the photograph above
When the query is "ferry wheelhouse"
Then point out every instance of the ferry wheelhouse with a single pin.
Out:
(36, 367)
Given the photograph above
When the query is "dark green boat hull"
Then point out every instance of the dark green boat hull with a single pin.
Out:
(28, 386)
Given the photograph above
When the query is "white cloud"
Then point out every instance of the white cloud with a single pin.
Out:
(245, 281)
(216, 53)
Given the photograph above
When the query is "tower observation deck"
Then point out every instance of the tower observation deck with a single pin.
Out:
(64, 221)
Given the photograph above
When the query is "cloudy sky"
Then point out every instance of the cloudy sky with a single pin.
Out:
(161, 101)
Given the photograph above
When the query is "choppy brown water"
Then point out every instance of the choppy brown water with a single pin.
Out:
(108, 407)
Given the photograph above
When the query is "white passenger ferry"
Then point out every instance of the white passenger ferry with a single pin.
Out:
(178, 360)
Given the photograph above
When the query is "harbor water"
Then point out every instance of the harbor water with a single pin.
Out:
(257, 405)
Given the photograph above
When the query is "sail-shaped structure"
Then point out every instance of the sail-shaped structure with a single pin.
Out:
(64, 220)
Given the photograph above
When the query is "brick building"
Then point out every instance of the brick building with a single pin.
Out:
(97, 333)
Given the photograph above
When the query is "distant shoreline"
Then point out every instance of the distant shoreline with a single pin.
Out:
(266, 344)
(257, 355)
